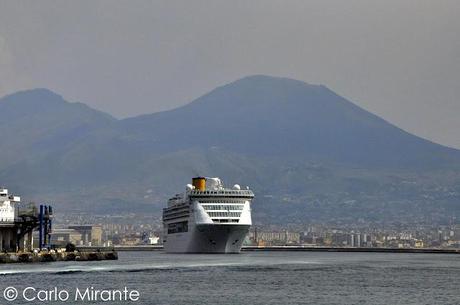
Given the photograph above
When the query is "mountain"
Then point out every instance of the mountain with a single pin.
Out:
(268, 116)
(37, 122)
(308, 153)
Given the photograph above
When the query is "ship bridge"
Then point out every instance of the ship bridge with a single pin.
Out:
(214, 203)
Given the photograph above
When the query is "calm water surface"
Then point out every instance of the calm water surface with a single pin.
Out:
(252, 278)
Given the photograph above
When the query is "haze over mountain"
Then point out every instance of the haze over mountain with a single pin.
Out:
(307, 152)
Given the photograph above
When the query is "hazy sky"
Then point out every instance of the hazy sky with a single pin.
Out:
(398, 59)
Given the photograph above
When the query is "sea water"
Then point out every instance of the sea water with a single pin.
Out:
(246, 278)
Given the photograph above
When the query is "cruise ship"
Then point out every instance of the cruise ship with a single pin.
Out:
(207, 218)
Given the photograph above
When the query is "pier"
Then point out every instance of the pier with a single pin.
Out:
(16, 228)
(304, 249)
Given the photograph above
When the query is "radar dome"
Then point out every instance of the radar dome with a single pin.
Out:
(237, 187)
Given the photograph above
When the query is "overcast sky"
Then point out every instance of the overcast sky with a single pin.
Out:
(398, 59)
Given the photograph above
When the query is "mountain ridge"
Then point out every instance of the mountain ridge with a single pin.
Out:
(296, 101)
(305, 150)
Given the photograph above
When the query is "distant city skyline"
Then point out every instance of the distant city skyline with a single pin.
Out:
(397, 59)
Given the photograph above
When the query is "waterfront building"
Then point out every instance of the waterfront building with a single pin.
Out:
(154, 240)
(91, 235)
(275, 238)
(8, 229)
(61, 237)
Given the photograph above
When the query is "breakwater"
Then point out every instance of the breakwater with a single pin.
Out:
(43, 257)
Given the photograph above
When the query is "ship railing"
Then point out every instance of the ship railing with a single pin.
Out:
(223, 192)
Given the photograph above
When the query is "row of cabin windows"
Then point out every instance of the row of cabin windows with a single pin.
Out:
(224, 214)
(178, 227)
(223, 207)
(170, 217)
(167, 213)
(226, 220)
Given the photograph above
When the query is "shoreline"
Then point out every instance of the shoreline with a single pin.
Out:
(298, 249)
(350, 249)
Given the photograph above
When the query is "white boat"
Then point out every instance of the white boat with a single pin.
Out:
(207, 218)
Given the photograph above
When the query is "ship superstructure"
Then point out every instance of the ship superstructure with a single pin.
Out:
(207, 218)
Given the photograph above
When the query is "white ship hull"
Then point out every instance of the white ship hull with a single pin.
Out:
(208, 238)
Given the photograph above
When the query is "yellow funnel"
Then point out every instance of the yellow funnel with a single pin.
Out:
(199, 183)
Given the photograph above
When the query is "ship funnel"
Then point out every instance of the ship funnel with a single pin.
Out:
(199, 183)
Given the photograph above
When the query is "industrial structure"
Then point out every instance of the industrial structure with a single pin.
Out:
(8, 228)
(17, 225)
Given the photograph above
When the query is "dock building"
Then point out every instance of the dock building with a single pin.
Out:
(8, 228)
